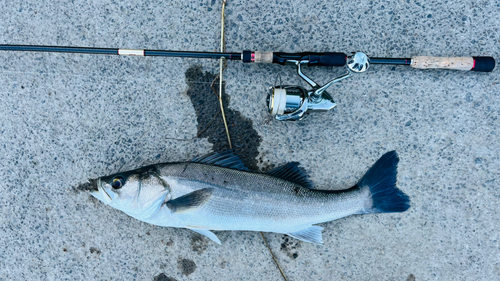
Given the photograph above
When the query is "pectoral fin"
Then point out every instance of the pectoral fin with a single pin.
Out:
(207, 233)
(190, 201)
(311, 234)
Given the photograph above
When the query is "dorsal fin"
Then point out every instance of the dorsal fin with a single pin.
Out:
(292, 172)
(224, 159)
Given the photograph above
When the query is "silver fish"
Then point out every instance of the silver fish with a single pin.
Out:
(216, 192)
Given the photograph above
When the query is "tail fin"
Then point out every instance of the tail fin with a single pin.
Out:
(381, 180)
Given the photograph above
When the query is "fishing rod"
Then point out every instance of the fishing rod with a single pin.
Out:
(291, 102)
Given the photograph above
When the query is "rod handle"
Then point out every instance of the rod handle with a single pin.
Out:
(323, 59)
(484, 64)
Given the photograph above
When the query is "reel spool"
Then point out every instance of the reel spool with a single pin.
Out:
(292, 102)
(285, 99)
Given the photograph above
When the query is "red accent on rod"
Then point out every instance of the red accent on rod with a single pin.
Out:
(473, 65)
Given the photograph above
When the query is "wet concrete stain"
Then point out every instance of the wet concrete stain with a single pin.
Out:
(90, 185)
(198, 243)
(411, 277)
(169, 243)
(94, 250)
(163, 277)
(289, 246)
(266, 166)
(244, 138)
(186, 266)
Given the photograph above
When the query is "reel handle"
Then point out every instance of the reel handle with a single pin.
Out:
(483, 64)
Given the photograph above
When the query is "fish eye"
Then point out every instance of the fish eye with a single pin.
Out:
(118, 182)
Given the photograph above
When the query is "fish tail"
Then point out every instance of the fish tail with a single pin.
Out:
(380, 179)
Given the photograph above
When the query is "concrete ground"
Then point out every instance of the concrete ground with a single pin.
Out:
(67, 118)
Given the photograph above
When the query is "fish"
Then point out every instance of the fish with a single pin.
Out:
(216, 192)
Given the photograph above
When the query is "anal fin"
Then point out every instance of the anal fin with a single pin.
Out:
(206, 233)
(312, 234)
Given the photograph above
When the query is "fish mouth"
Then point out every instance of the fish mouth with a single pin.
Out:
(101, 193)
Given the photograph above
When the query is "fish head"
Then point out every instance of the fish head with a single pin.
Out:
(139, 193)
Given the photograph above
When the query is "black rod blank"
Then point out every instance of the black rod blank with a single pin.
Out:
(201, 55)
(112, 51)
(59, 49)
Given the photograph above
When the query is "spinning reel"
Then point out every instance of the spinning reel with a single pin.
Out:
(292, 102)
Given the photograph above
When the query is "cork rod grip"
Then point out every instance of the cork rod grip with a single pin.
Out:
(264, 57)
(484, 64)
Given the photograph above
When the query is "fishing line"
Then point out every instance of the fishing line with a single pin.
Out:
(221, 70)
